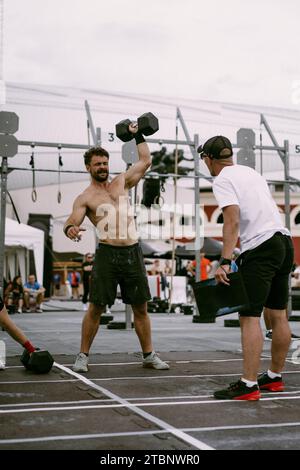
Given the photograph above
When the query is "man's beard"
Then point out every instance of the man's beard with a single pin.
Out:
(101, 177)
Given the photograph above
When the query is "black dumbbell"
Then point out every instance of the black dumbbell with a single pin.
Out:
(40, 362)
(147, 125)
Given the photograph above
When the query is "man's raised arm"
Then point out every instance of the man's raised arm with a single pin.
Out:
(137, 171)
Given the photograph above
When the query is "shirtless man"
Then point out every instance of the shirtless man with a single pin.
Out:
(119, 258)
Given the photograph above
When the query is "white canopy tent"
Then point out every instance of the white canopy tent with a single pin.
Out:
(18, 239)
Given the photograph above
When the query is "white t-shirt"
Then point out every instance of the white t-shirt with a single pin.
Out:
(259, 216)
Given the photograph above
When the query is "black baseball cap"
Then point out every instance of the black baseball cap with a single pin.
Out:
(214, 147)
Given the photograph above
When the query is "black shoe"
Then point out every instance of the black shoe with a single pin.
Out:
(239, 391)
(271, 385)
(294, 336)
(268, 336)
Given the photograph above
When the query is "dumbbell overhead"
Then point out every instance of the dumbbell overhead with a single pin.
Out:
(147, 125)
(40, 362)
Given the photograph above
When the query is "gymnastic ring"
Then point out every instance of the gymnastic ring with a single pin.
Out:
(34, 195)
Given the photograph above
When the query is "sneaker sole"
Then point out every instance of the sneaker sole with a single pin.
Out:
(151, 366)
(274, 387)
(254, 396)
(80, 370)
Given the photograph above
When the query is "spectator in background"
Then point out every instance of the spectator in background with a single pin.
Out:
(190, 270)
(56, 282)
(234, 267)
(296, 277)
(205, 267)
(74, 279)
(155, 268)
(213, 268)
(168, 268)
(87, 267)
(33, 293)
(15, 294)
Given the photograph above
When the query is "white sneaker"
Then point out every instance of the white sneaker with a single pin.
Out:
(154, 362)
(85, 307)
(20, 310)
(81, 363)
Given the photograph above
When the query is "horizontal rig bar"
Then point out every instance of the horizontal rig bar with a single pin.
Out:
(149, 175)
(171, 141)
(262, 147)
(268, 147)
(28, 143)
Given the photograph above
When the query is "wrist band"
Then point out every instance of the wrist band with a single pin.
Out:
(139, 138)
(67, 228)
(28, 346)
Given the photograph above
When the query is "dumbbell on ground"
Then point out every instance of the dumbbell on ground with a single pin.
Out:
(147, 125)
(40, 362)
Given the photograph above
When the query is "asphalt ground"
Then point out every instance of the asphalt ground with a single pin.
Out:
(119, 405)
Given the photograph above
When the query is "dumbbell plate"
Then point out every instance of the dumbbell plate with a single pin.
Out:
(122, 130)
(40, 362)
(148, 124)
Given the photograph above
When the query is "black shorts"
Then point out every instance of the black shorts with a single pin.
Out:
(15, 296)
(265, 271)
(123, 266)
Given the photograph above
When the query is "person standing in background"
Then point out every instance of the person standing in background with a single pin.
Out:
(74, 279)
(87, 267)
(205, 267)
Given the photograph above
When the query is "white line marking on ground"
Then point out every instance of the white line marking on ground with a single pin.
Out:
(133, 405)
(240, 427)
(142, 377)
(133, 399)
(160, 423)
(192, 361)
(52, 403)
(144, 433)
(104, 379)
(38, 381)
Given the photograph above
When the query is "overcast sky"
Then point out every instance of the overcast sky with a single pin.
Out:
(233, 50)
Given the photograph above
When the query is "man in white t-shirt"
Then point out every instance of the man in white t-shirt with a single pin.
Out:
(265, 263)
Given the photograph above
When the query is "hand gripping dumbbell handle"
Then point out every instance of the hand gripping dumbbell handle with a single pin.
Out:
(138, 136)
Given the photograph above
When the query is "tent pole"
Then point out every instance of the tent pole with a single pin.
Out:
(4, 171)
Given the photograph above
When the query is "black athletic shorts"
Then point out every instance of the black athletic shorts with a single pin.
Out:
(265, 271)
(123, 266)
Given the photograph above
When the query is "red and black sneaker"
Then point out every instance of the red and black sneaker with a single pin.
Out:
(271, 385)
(239, 391)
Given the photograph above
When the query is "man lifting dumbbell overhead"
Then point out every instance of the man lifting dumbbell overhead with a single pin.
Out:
(37, 361)
(265, 264)
(118, 259)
